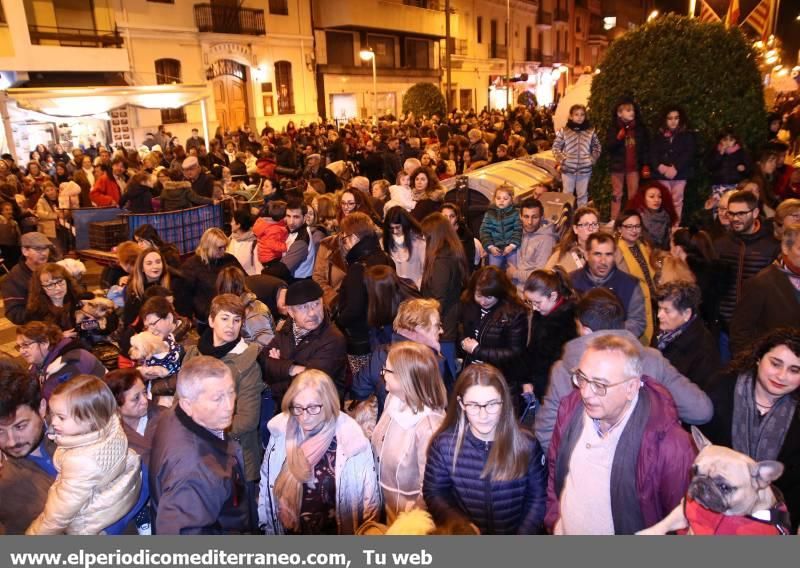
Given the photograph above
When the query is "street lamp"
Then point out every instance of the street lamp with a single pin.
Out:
(369, 55)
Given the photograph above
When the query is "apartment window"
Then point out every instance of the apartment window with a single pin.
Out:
(558, 41)
(383, 46)
(493, 32)
(578, 56)
(168, 72)
(480, 29)
(528, 38)
(541, 40)
(578, 25)
(283, 81)
(418, 54)
(340, 48)
(279, 7)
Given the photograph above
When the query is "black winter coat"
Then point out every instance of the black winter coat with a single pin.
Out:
(724, 168)
(695, 354)
(548, 336)
(445, 285)
(719, 432)
(324, 349)
(463, 497)
(502, 335)
(197, 483)
(351, 311)
(676, 150)
(138, 198)
(15, 292)
(199, 284)
(616, 147)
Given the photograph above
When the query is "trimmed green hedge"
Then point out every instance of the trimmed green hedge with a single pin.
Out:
(708, 70)
(424, 99)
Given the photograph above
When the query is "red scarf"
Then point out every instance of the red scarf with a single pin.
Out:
(631, 159)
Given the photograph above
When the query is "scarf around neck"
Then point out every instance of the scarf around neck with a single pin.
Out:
(585, 125)
(631, 159)
(664, 338)
(760, 437)
(298, 469)
(206, 345)
(657, 224)
(792, 272)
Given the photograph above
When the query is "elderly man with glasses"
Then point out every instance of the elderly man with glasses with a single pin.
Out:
(619, 459)
(202, 184)
(37, 250)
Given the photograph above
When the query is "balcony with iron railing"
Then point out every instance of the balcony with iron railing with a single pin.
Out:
(457, 46)
(561, 15)
(547, 60)
(422, 18)
(596, 29)
(544, 20)
(533, 54)
(497, 51)
(561, 57)
(74, 37)
(229, 20)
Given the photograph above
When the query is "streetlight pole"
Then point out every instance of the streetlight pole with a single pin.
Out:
(369, 54)
(509, 44)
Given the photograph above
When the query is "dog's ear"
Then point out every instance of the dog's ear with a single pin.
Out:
(699, 440)
(765, 472)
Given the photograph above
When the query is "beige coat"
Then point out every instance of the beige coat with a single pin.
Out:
(400, 440)
(329, 269)
(98, 483)
(48, 218)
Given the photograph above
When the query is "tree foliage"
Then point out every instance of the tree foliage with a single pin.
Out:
(424, 99)
(710, 71)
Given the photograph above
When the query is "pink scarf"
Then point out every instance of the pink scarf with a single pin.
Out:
(298, 469)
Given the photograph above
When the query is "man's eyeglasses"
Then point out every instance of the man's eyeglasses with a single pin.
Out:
(738, 214)
(55, 283)
(600, 389)
(588, 225)
(474, 409)
(24, 346)
(312, 409)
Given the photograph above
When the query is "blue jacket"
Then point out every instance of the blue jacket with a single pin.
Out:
(501, 227)
(495, 507)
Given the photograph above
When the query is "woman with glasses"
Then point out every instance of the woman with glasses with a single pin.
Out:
(633, 256)
(53, 298)
(570, 253)
(484, 471)
(351, 200)
(414, 409)
(755, 408)
(54, 358)
(550, 296)
(494, 324)
(318, 475)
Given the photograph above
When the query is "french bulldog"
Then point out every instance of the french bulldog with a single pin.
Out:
(728, 490)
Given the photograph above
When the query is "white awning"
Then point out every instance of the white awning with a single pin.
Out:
(88, 101)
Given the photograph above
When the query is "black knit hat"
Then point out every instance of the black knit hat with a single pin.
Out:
(302, 292)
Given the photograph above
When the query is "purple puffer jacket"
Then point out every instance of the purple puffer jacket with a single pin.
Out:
(663, 466)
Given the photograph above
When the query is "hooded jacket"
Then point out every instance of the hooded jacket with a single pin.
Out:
(694, 406)
(358, 496)
(98, 483)
(662, 468)
(576, 149)
(178, 195)
(242, 360)
(64, 360)
(501, 227)
(244, 248)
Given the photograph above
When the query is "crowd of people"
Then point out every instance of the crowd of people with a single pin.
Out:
(354, 354)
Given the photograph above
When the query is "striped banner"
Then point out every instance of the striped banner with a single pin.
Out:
(707, 13)
(759, 18)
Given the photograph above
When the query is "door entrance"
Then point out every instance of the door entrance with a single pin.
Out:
(229, 82)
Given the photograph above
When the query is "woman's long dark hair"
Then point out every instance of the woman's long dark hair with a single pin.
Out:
(149, 233)
(441, 240)
(747, 361)
(546, 281)
(385, 293)
(40, 307)
(411, 229)
(491, 281)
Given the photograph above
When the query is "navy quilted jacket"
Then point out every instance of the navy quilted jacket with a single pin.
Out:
(495, 507)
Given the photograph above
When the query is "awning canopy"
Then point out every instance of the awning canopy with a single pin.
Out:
(88, 101)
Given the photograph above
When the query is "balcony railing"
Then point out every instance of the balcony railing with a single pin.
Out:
(533, 54)
(561, 15)
(596, 27)
(457, 46)
(229, 20)
(74, 37)
(424, 4)
(544, 20)
(547, 60)
(561, 57)
(497, 51)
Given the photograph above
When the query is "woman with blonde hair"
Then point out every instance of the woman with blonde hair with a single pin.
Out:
(483, 469)
(414, 410)
(318, 475)
(200, 273)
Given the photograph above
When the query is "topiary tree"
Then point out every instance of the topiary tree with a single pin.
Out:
(528, 99)
(708, 70)
(424, 99)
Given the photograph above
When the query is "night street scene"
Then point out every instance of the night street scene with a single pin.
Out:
(404, 267)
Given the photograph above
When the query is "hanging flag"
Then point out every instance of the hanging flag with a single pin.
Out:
(760, 18)
(732, 17)
(707, 13)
